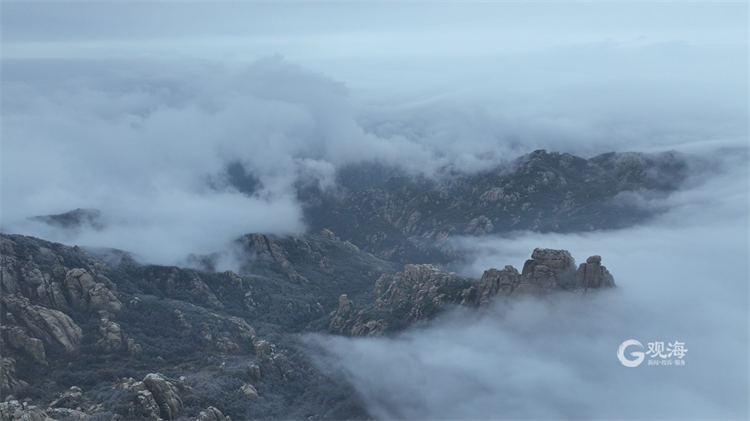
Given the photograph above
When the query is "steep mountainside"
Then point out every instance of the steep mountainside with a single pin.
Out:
(84, 338)
(71, 319)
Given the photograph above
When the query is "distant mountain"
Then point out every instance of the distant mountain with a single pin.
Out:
(409, 219)
(76, 218)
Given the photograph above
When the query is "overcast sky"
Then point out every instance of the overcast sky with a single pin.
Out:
(344, 39)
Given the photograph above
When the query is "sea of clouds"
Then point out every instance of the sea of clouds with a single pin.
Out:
(681, 277)
(137, 109)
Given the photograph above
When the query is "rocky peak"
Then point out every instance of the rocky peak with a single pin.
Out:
(73, 219)
(419, 292)
(555, 259)
(268, 252)
(549, 268)
(494, 282)
(593, 275)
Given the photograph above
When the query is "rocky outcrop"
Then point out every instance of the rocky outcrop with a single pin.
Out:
(479, 226)
(228, 335)
(497, 282)
(53, 327)
(267, 251)
(142, 404)
(111, 336)
(67, 414)
(14, 410)
(250, 392)
(8, 380)
(71, 398)
(415, 294)
(211, 414)
(593, 275)
(547, 269)
(51, 295)
(420, 292)
(17, 338)
(342, 313)
(67, 407)
(113, 339)
(87, 295)
(253, 372)
(155, 397)
(272, 362)
(165, 393)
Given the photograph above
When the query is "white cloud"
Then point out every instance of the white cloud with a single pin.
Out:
(137, 131)
(682, 277)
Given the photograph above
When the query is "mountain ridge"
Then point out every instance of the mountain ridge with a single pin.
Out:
(95, 334)
(225, 341)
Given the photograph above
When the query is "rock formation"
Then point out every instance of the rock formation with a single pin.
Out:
(593, 275)
(165, 393)
(53, 327)
(14, 410)
(420, 292)
(8, 380)
(250, 392)
(211, 414)
(497, 282)
(549, 268)
(71, 398)
(87, 295)
(18, 338)
(341, 315)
